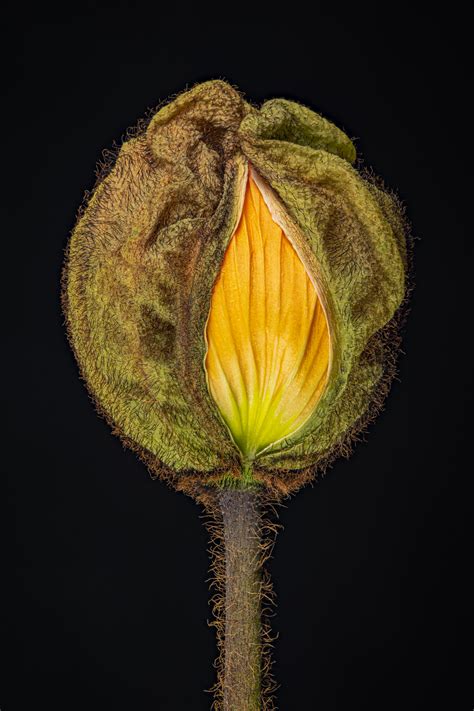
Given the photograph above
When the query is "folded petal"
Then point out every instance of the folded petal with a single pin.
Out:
(268, 340)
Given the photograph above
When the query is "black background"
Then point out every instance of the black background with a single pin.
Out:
(107, 602)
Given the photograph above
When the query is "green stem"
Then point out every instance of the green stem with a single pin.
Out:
(242, 667)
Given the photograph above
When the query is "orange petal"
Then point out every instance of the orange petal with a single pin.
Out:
(268, 353)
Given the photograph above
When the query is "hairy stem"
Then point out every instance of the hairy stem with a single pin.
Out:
(242, 667)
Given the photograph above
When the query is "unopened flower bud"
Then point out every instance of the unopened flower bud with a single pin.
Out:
(229, 288)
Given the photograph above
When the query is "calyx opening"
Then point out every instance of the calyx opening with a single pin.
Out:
(268, 339)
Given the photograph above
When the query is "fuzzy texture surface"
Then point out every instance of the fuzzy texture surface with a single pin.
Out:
(242, 525)
(242, 660)
(147, 250)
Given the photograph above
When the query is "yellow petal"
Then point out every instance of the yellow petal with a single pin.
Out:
(268, 341)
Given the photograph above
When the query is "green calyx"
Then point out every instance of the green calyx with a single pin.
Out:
(147, 249)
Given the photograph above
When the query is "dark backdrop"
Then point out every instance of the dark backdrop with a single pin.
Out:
(107, 603)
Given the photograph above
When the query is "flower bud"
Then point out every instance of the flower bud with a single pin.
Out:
(231, 289)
